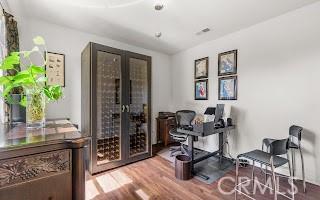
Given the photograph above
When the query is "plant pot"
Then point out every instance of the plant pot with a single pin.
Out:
(17, 112)
(35, 109)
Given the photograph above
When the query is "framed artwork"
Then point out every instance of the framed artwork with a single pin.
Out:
(227, 63)
(201, 68)
(228, 88)
(55, 69)
(201, 90)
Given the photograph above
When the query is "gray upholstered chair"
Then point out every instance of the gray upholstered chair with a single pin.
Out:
(270, 159)
(295, 133)
(183, 120)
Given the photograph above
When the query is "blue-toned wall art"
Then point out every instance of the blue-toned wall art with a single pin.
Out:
(227, 63)
(228, 88)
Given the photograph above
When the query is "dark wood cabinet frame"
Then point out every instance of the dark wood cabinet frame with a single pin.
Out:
(89, 104)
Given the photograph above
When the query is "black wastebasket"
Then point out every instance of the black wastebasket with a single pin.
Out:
(183, 167)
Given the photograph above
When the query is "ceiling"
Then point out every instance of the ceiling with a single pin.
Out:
(136, 22)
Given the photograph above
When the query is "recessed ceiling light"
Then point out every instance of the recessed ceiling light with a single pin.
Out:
(158, 6)
(158, 34)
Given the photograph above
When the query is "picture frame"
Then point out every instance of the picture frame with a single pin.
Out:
(201, 89)
(227, 63)
(201, 67)
(228, 88)
(55, 68)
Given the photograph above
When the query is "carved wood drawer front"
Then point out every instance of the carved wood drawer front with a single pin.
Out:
(28, 168)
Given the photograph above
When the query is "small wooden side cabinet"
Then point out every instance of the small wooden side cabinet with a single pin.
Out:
(164, 125)
(42, 164)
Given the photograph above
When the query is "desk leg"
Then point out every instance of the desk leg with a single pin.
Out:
(190, 150)
(220, 149)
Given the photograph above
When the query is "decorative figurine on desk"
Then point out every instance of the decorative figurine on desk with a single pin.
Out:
(199, 119)
(31, 83)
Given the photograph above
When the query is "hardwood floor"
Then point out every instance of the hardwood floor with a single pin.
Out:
(154, 178)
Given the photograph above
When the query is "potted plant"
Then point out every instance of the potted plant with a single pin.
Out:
(35, 92)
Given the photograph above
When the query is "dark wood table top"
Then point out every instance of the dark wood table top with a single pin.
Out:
(13, 137)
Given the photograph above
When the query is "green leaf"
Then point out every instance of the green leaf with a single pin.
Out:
(36, 70)
(5, 80)
(23, 78)
(20, 76)
(39, 40)
(10, 61)
(47, 93)
(56, 92)
(7, 90)
(24, 82)
(53, 92)
(24, 72)
(23, 101)
(42, 79)
(15, 53)
(10, 100)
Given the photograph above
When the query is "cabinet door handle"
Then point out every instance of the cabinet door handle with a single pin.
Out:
(128, 108)
(123, 108)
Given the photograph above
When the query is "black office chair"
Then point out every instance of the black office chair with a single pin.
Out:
(294, 144)
(183, 120)
(270, 159)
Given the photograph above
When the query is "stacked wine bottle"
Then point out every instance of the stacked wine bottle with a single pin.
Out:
(108, 149)
(137, 143)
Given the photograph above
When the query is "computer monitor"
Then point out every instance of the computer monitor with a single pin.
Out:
(219, 112)
(210, 111)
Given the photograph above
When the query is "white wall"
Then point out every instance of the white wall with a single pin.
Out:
(71, 43)
(279, 84)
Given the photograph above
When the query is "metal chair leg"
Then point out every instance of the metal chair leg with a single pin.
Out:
(274, 180)
(237, 174)
(262, 149)
(291, 177)
(266, 167)
(292, 187)
(289, 164)
(252, 177)
(303, 175)
(266, 175)
(293, 160)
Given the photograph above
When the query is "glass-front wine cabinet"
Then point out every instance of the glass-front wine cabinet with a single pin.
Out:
(116, 102)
